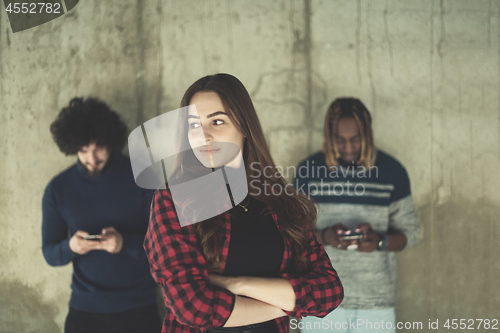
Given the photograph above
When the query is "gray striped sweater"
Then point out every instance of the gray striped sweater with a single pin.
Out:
(380, 196)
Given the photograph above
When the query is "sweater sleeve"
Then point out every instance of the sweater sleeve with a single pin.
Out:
(55, 240)
(179, 267)
(319, 290)
(402, 215)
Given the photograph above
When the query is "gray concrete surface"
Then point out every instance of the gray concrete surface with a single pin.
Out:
(429, 70)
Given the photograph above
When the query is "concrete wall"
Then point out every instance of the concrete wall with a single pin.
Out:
(429, 70)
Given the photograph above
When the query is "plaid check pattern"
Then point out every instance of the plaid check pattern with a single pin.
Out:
(193, 304)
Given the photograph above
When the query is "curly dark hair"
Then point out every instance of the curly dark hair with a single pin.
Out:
(86, 121)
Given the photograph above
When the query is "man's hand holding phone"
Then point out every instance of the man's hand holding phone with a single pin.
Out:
(112, 240)
(82, 243)
(109, 240)
(353, 237)
(370, 240)
(331, 236)
(92, 237)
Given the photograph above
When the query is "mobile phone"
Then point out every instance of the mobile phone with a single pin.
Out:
(351, 235)
(92, 237)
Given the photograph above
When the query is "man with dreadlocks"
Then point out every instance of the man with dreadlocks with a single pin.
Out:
(359, 190)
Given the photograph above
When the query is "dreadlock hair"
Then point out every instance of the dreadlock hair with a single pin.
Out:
(86, 121)
(348, 108)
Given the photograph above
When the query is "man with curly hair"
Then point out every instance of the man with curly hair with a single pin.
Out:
(95, 216)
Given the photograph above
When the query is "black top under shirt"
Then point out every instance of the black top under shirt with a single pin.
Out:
(256, 247)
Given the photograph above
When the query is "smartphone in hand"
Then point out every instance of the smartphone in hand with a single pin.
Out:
(350, 235)
(92, 237)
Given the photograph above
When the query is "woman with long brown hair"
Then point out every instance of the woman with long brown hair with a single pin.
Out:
(251, 266)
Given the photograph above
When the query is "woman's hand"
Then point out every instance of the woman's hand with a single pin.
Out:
(274, 291)
(246, 308)
(230, 283)
(249, 311)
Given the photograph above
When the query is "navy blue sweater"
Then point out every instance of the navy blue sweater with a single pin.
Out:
(102, 282)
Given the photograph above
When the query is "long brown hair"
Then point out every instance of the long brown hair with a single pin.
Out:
(294, 210)
(348, 108)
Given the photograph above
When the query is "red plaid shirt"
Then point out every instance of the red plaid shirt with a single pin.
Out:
(193, 304)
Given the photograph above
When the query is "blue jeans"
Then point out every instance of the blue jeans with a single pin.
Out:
(352, 320)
